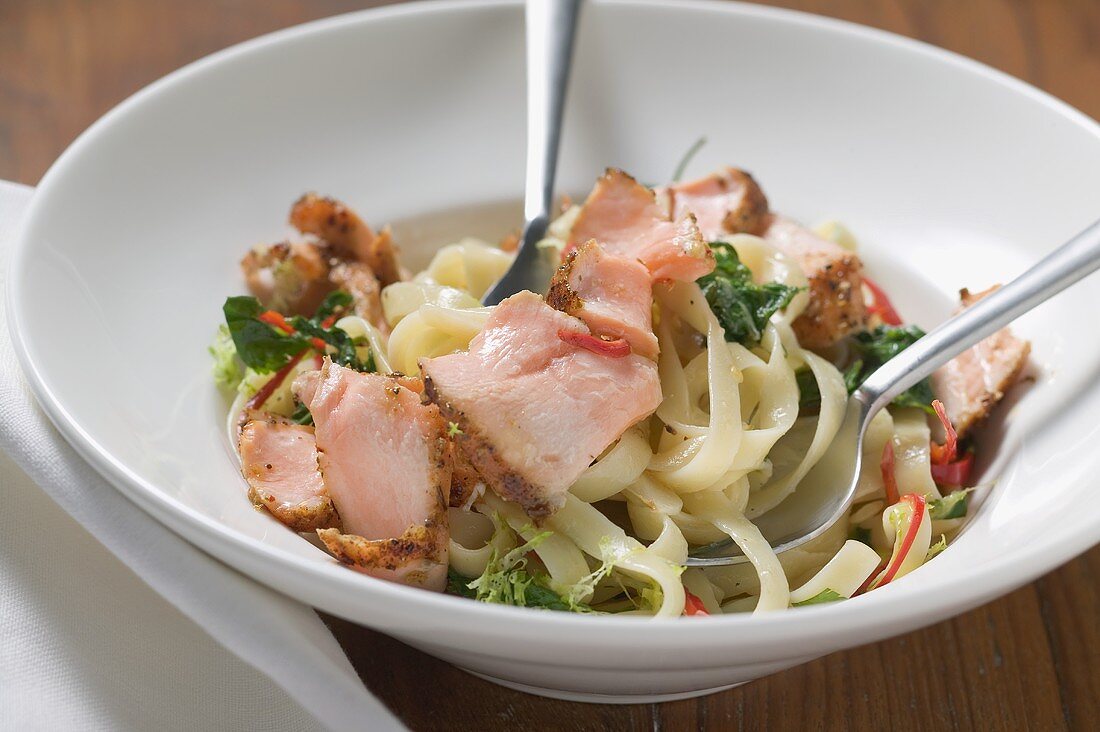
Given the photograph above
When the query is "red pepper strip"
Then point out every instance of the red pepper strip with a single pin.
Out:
(328, 322)
(889, 477)
(949, 450)
(273, 383)
(617, 348)
(919, 505)
(870, 578)
(881, 305)
(953, 473)
(276, 319)
(693, 605)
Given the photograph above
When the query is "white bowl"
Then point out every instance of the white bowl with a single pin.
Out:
(951, 173)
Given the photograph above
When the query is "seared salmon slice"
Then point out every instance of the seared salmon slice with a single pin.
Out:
(728, 201)
(348, 235)
(290, 278)
(612, 295)
(533, 409)
(623, 216)
(387, 467)
(279, 461)
(836, 308)
(971, 384)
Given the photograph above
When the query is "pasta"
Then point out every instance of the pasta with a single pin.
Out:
(746, 410)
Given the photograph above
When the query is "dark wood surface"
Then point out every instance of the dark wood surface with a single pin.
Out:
(1029, 660)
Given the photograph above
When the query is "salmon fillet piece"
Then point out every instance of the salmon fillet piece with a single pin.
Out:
(972, 383)
(612, 295)
(836, 307)
(387, 468)
(292, 279)
(348, 235)
(279, 461)
(728, 201)
(534, 411)
(623, 216)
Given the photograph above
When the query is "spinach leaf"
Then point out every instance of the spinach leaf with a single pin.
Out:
(876, 347)
(264, 347)
(459, 585)
(809, 395)
(261, 346)
(741, 306)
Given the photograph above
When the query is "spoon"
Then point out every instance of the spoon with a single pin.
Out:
(551, 27)
(831, 485)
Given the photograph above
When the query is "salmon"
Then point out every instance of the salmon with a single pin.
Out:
(358, 280)
(971, 384)
(290, 278)
(623, 216)
(279, 461)
(348, 236)
(533, 410)
(465, 482)
(728, 201)
(612, 295)
(836, 308)
(387, 468)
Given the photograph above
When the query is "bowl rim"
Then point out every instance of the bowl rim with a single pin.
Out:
(234, 548)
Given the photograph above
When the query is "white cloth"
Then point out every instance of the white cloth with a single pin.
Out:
(87, 642)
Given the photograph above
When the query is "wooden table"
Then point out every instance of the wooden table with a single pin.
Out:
(1029, 660)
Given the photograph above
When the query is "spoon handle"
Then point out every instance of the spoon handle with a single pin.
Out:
(1077, 258)
(551, 27)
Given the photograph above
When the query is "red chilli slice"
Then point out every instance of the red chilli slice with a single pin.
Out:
(881, 305)
(948, 451)
(955, 473)
(889, 474)
(919, 506)
(273, 383)
(617, 348)
(277, 320)
(693, 605)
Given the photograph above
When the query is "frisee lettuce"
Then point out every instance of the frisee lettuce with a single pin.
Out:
(742, 307)
(227, 367)
(826, 595)
(936, 548)
(507, 581)
(953, 505)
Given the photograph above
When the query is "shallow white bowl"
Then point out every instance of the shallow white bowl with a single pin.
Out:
(951, 173)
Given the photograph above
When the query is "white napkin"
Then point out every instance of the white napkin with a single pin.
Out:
(86, 643)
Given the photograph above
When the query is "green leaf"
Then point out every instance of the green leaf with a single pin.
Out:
(875, 347)
(335, 303)
(265, 348)
(953, 505)
(262, 347)
(936, 548)
(302, 415)
(227, 367)
(824, 596)
(459, 585)
(809, 395)
(741, 306)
